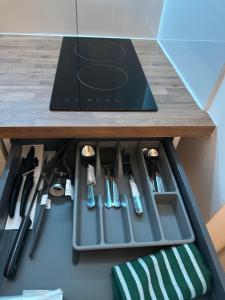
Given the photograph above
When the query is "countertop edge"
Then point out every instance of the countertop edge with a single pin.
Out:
(106, 132)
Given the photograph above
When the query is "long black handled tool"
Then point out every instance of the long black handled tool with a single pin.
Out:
(40, 217)
(20, 239)
(29, 182)
(14, 194)
(26, 165)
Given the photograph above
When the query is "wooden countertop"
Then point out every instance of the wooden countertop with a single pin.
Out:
(27, 71)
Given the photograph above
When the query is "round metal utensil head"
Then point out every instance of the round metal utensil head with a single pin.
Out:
(153, 153)
(57, 190)
(88, 151)
(145, 151)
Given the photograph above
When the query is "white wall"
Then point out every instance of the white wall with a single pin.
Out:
(123, 18)
(38, 16)
(204, 160)
(198, 63)
(116, 18)
(201, 20)
(192, 34)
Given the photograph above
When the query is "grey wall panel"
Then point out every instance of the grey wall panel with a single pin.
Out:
(119, 18)
(39, 17)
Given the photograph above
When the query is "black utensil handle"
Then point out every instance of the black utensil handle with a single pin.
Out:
(26, 192)
(14, 194)
(17, 247)
(37, 229)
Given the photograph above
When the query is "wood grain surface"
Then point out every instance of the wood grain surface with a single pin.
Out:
(27, 71)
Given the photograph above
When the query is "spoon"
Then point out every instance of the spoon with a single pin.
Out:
(88, 155)
(152, 154)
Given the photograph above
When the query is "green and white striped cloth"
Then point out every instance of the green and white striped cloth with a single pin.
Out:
(169, 274)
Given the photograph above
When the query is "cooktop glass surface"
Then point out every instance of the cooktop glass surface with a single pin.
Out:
(100, 74)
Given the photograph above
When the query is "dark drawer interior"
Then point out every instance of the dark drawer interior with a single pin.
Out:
(54, 263)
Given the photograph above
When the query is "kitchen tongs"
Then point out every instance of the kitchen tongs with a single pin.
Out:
(61, 156)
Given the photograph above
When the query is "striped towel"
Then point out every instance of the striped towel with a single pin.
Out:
(169, 274)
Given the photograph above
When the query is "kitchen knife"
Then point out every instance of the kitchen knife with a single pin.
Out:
(136, 197)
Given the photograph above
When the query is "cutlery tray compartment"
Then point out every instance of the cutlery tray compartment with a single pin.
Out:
(172, 215)
(164, 220)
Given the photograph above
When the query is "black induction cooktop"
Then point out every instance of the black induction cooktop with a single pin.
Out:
(100, 74)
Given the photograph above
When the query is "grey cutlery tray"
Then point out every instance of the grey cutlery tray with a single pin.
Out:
(163, 222)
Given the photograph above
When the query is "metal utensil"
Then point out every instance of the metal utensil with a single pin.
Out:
(108, 158)
(127, 168)
(154, 155)
(57, 188)
(108, 198)
(89, 156)
(88, 153)
(115, 192)
(149, 169)
(91, 181)
(151, 156)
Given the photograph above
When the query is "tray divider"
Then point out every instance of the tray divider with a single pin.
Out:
(123, 196)
(125, 202)
(101, 227)
(119, 162)
(99, 191)
(76, 193)
(148, 189)
(173, 186)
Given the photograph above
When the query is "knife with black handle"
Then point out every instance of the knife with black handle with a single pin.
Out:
(37, 228)
(17, 247)
(14, 194)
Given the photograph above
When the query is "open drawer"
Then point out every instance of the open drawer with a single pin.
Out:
(53, 265)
